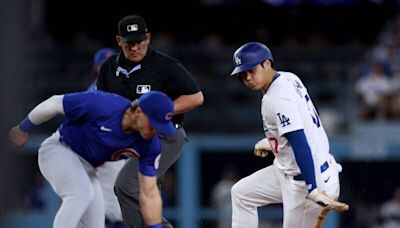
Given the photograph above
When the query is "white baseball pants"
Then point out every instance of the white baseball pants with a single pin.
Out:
(75, 181)
(270, 186)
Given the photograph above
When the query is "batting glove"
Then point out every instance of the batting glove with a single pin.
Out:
(325, 201)
(262, 148)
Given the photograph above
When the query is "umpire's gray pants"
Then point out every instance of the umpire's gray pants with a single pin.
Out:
(127, 184)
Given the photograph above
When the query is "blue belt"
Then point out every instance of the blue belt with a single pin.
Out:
(323, 168)
(298, 177)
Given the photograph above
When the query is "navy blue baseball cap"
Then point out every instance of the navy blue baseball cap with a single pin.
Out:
(102, 54)
(250, 55)
(159, 108)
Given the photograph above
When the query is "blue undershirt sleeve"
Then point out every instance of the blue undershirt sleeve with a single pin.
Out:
(302, 153)
(148, 157)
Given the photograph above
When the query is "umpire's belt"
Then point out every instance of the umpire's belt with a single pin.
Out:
(323, 168)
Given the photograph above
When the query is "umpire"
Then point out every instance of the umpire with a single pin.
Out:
(136, 70)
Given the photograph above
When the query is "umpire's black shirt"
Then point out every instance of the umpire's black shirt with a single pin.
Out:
(157, 71)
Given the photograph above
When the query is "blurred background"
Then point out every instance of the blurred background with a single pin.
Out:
(347, 52)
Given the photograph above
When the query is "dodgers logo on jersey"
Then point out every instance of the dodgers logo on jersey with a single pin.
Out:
(284, 120)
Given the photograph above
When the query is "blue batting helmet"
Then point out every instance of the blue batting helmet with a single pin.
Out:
(249, 55)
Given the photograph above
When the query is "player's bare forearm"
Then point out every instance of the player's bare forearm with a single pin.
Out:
(185, 103)
(17, 137)
(150, 200)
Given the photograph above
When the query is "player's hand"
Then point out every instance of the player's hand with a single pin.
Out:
(325, 201)
(17, 136)
(262, 148)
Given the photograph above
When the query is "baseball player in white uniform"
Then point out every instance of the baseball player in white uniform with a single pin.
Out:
(304, 176)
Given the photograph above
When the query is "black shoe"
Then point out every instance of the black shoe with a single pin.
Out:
(166, 224)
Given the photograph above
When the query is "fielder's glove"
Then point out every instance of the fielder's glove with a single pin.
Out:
(325, 201)
(262, 148)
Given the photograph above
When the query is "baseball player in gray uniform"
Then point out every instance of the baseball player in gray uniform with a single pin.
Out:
(304, 175)
(99, 127)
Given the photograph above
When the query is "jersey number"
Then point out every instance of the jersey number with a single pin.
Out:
(314, 114)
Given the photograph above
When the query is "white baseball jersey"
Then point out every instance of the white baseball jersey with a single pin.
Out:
(287, 107)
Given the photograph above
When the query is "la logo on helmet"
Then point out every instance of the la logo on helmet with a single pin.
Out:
(238, 61)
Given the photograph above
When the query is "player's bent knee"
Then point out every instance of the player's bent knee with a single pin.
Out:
(82, 198)
(237, 190)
